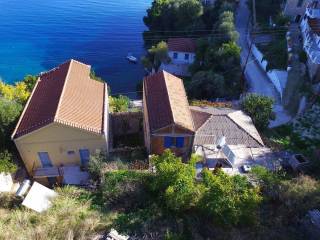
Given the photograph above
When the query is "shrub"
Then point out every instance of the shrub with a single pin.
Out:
(9, 201)
(119, 104)
(6, 163)
(174, 182)
(229, 200)
(259, 108)
(70, 217)
(96, 164)
(300, 194)
(125, 188)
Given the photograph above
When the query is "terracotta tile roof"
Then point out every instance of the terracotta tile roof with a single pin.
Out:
(166, 101)
(182, 45)
(314, 24)
(199, 118)
(236, 126)
(66, 95)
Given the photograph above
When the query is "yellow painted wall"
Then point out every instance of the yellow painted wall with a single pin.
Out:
(57, 140)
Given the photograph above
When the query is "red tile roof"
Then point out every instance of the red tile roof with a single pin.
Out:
(66, 95)
(166, 102)
(314, 24)
(182, 45)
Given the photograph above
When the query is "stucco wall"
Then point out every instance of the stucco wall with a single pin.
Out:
(146, 126)
(57, 140)
(180, 58)
(291, 8)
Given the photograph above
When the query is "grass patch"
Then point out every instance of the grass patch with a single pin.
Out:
(71, 216)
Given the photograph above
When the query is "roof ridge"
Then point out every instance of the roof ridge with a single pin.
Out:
(77, 125)
(166, 74)
(63, 91)
(211, 116)
(247, 132)
(80, 63)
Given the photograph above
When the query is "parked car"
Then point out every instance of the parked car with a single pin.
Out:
(246, 168)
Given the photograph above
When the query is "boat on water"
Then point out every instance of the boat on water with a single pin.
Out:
(131, 58)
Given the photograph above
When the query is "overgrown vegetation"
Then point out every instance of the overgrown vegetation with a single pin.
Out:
(170, 204)
(119, 103)
(259, 108)
(12, 101)
(70, 217)
(267, 9)
(216, 70)
(156, 55)
(6, 162)
(276, 53)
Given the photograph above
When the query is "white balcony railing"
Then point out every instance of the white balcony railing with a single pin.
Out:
(313, 12)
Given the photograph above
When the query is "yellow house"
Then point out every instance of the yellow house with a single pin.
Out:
(64, 121)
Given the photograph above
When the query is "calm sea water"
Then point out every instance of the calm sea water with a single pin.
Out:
(37, 35)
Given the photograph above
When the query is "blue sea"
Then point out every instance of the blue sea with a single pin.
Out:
(37, 35)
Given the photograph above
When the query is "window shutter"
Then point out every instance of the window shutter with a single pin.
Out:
(168, 142)
(180, 142)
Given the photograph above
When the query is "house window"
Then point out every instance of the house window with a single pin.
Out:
(175, 55)
(168, 142)
(177, 142)
(180, 142)
(71, 152)
(186, 56)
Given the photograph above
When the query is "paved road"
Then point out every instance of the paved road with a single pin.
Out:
(257, 79)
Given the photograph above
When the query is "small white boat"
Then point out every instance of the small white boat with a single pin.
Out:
(131, 58)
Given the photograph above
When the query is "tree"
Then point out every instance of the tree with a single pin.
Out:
(95, 77)
(119, 104)
(171, 15)
(228, 200)
(268, 181)
(157, 55)
(206, 85)
(174, 181)
(6, 163)
(259, 108)
(227, 28)
(18, 92)
(30, 82)
(9, 113)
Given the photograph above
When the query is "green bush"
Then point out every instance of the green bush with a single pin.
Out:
(119, 104)
(6, 163)
(124, 187)
(229, 200)
(300, 194)
(9, 201)
(69, 217)
(96, 164)
(174, 182)
(259, 108)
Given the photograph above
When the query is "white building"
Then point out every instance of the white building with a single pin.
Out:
(310, 29)
(182, 53)
(295, 8)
